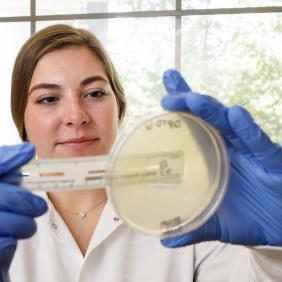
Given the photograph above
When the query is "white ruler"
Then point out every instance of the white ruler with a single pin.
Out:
(65, 173)
(91, 172)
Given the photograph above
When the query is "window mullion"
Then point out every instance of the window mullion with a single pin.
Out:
(32, 16)
(177, 40)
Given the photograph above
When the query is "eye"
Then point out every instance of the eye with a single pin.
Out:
(47, 100)
(96, 93)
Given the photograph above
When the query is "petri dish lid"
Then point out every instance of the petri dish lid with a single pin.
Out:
(168, 174)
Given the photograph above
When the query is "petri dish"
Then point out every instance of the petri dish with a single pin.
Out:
(168, 174)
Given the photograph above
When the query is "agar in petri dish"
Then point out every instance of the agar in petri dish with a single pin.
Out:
(168, 175)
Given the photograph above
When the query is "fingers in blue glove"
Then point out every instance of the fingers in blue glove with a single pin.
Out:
(13, 157)
(174, 83)
(8, 246)
(203, 106)
(19, 201)
(258, 143)
(14, 177)
(15, 225)
(250, 213)
(7, 249)
(206, 107)
(207, 232)
(176, 88)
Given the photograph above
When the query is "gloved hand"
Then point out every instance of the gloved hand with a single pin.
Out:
(251, 211)
(18, 207)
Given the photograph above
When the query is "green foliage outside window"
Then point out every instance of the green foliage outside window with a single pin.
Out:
(235, 58)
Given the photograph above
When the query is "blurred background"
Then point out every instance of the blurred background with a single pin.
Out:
(229, 49)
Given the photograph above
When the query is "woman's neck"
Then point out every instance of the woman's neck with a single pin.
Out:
(77, 200)
(81, 211)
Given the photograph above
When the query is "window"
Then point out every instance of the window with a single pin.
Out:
(14, 35)
(229, 49)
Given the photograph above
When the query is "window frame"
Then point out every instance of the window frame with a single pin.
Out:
(177, 13)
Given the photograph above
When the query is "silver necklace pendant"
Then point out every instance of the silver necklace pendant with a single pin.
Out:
(82, 215)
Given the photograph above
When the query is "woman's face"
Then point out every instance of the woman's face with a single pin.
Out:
(71, 108)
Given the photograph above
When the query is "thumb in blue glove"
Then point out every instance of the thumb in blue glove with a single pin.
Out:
(18, 207)
(7, 250)
(251, 211)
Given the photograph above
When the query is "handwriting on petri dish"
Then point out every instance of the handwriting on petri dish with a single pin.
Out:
(163, 123)
(166, 225)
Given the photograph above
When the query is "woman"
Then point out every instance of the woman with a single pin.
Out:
(71, 106)
(67, 101)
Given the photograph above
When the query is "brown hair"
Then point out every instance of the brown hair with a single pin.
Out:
(47, 40)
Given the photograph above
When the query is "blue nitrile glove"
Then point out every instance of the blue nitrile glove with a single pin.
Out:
(18, 207)
(251, 211)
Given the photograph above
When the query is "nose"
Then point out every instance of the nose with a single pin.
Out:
(75, 114)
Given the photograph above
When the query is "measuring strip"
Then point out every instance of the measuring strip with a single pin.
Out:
(65, 173)
(90, 172)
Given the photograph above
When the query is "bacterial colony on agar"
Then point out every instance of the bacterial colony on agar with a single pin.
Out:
(165, 176)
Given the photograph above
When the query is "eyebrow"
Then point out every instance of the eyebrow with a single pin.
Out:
(91, 79)
(44, 86)
(52, 86)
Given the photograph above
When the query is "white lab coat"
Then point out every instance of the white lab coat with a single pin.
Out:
(118, 254)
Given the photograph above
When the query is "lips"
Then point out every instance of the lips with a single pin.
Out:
(77, 140)
(78, 144)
